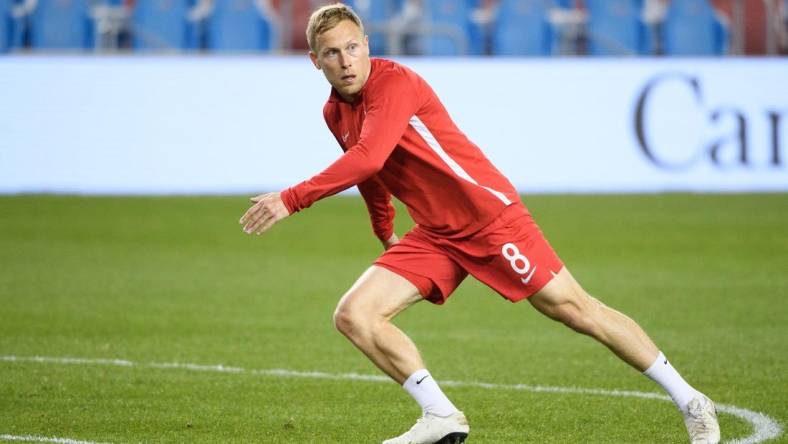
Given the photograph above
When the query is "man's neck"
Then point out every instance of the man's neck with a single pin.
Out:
(348, 98)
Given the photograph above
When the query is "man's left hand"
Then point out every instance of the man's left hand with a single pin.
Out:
(393, 240)
(267, 210)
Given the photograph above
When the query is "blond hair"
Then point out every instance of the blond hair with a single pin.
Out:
(326, 18)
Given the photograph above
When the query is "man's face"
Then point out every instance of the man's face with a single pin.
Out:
(342, 54)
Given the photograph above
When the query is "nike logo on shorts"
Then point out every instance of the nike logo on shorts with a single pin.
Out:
(527, 279)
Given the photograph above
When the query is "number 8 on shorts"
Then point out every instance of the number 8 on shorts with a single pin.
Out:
(512, 254)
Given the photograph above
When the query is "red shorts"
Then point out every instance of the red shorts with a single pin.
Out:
(510, 255)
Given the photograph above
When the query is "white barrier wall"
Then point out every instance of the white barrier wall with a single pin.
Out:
(232, 124)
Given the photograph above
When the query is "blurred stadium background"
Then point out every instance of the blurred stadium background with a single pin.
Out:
(412, 27)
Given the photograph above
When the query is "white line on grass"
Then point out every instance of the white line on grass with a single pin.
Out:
(30, 438)
(764, 427)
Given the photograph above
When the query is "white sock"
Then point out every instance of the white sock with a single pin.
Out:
(665, 375)
(426, 392)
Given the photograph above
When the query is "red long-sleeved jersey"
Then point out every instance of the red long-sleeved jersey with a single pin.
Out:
(399, 139)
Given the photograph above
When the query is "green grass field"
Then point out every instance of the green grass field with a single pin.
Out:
(174, 280)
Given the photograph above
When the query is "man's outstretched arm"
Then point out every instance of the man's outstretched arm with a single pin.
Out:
(388, 112)
(266, 210)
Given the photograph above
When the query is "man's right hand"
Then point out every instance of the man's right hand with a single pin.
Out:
(267, 210)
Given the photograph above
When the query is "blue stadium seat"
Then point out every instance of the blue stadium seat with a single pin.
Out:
(476, 32)
(238, 25)
(375, 14)
(522, 28)
(451, 20)
(5, 25)
(615, 27)
(61, 24)
(692, 28)
(162, 25)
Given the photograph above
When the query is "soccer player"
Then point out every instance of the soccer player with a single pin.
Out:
(399, 140)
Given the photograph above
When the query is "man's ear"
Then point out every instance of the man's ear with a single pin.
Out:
(313, 57)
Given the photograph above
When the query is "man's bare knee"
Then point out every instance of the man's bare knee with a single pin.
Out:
(343, 321)
(353, 320)
(373, 301)
(346, 320)
(574, 317)
(576, 309)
